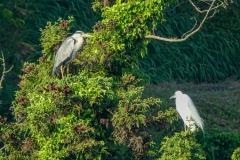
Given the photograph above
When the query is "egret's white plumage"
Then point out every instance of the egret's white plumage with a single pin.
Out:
(187, 111)
(69, 49)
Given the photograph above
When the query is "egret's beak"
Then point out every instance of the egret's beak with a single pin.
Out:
(174, 96)
(86, 35)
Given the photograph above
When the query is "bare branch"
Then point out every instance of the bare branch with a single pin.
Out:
(202, 11)
(4, 70)
(186, 36)
(190, 29)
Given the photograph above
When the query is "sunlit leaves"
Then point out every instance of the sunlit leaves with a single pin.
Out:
(54, 34)
(121, 32)
(181, 146)
(236, 154)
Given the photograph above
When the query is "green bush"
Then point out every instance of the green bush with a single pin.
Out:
(220, 145)
(236, 154)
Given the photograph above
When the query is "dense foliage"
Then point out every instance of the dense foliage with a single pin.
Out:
(98, 110)
(183, 146)
(100, 104)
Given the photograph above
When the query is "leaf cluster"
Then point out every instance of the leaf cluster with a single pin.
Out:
(236, 154)
(54, 34)
(118, 38)
(182, 146)
(60, 119)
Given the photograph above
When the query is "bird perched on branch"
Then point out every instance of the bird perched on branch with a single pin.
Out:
(68, 50)
(187, 111)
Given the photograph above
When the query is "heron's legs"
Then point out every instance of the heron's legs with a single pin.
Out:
(67, 69)
(61, 68)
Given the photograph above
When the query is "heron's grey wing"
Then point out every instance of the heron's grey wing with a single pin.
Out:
(198, 120)
(64, 54)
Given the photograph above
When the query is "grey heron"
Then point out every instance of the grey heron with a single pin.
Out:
(68, 50)
(187, 111)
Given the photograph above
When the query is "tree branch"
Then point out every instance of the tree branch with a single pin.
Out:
(202, 11)
(187, 34)
(4, 70)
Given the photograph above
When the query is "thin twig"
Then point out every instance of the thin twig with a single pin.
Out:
(3, 147)
(4, 70)
(174, 7)
(190, 29)
(187, 35)
(202, 11)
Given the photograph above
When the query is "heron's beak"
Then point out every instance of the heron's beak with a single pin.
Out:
(86, 35)
(174, 96)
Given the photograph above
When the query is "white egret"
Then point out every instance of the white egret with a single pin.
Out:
(187, 111)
